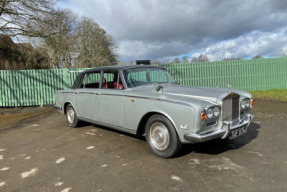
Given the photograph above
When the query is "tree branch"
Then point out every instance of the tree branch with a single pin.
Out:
(2, 7)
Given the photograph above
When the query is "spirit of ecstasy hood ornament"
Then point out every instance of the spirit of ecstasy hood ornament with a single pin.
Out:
(229, 88)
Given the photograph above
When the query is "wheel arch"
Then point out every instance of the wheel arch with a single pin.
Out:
(144, 119)
(66, 105)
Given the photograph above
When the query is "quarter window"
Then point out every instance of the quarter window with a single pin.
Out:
(91, 80)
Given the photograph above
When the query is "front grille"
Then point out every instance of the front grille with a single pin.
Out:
(230, 108)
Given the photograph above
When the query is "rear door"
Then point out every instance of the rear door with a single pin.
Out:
(85, 100)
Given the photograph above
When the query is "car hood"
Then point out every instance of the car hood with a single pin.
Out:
(202, 93)
(209, 94)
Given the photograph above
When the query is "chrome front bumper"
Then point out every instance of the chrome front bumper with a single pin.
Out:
(221, 133)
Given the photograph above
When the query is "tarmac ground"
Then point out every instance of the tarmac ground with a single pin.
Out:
(40, 152)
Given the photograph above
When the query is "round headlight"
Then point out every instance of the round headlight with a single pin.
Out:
(216, 111)
(247, 103)
(243, 104)
(209, 113)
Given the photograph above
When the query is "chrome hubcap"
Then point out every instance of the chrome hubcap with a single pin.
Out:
(71, 115)
(159, 136)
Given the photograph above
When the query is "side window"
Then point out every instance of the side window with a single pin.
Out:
(111, 80)
(91, 80)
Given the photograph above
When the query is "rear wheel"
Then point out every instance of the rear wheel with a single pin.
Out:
(71, 115)
(162, 137)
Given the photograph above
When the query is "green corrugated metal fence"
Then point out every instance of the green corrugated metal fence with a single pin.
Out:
(33, 87)
(257, 74)
(37, 87)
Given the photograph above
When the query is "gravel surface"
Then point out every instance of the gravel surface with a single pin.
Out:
(41, 153)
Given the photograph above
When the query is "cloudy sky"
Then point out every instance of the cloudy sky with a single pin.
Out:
(161, 29)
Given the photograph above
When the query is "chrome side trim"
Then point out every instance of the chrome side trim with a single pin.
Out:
(106, 125)
(84, 93)
(138, 97)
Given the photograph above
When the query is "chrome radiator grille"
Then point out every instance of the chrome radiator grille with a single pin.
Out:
(230, 108)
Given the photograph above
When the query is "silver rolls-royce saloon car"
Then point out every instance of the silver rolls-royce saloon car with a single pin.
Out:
(146, 100)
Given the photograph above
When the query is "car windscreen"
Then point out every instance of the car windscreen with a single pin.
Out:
(144, 76)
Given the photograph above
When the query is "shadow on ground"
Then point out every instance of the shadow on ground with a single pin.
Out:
(213, 147)
(219, 146)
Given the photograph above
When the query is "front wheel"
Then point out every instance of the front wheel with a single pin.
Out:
(162, 137)
(71, 115)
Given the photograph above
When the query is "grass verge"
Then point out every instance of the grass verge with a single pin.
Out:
(9, 116)
(271, 95)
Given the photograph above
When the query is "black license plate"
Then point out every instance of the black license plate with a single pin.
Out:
(237, 132)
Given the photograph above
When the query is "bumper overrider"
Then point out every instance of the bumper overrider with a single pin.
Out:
(221, 133)
(58, 107)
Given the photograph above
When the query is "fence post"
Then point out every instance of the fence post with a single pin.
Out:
(66, 78)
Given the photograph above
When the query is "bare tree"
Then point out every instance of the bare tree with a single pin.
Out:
(201, 58)
(22, 17)
(230, 59)
(176, 60)
(60, 45)
(2, 6)
(185, 59)
(95, 47)
(166, 61)
(33, 58)
(67, 41)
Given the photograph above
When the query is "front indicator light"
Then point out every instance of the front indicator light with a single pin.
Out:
(252, 102)
(202, 116)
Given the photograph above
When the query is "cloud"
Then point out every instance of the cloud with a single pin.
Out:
(249, 45)
(154, 29)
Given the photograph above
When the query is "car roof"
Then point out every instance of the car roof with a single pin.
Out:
(121, 67)
(112, 68)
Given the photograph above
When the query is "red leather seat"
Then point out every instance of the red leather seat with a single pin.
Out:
(120, 85)
(104, 84)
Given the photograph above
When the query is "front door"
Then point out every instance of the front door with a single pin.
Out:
(110, 99)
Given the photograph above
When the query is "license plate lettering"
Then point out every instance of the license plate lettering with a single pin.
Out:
(237, 132)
